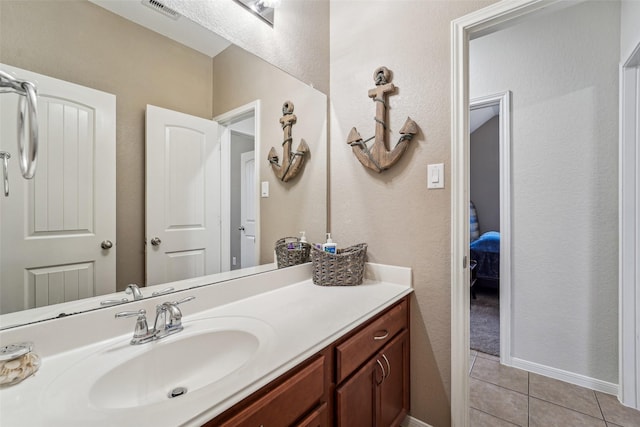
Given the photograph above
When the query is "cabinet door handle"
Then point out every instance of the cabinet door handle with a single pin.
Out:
(385, 334)
(384, 374)
(388, 365)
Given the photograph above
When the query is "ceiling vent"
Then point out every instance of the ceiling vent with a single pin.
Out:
(159, 7)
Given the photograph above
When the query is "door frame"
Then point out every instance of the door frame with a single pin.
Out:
(503, 101)
(225, 121)
(473, 25)
(629, 242)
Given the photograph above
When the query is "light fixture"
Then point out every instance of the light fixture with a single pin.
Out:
(263, 9)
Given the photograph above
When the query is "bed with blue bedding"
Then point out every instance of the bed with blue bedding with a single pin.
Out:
(484, 249)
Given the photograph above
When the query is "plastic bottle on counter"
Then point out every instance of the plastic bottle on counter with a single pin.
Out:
(329, 246)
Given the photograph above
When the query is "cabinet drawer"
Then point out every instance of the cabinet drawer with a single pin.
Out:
(286, 403)
(363, 344)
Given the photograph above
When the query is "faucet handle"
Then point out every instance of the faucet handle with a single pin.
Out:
(185, 299)
(114, 301)
(141, 312)
(141, 332)
(162, 292)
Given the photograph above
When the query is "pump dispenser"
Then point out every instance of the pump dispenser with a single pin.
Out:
(329, 246)
(303, 238)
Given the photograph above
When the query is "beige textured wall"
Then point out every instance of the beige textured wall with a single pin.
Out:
(300, 204)
(403, 222)
(80, 42)
(298, 42)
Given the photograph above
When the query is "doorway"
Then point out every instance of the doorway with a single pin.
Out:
(595, 302)
(240, 224)
(242, 196)
(490, 189)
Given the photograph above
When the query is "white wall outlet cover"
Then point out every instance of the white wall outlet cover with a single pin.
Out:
(265, 189)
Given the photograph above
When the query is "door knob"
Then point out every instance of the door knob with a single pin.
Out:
(241, 228)
(156, 241)
(106, 244)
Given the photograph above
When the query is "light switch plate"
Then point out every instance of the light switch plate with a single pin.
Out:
(265, 189)
(435, 176)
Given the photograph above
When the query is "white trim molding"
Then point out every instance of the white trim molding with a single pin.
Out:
(409, 421)
(629, 237)
(503, 101)
(481, 22)
(566, 376)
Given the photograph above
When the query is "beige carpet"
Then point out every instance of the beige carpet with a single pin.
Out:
(485, 321)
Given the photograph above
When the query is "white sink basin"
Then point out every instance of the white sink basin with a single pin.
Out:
(209, 354)
(177, 367)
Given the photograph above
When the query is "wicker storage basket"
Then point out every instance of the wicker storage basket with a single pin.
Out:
(344, 268)
(286, 256)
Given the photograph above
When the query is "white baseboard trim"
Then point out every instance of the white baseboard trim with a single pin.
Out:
(413, 422)
(569, 377)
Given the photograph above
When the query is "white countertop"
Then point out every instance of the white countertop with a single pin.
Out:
(299, 318)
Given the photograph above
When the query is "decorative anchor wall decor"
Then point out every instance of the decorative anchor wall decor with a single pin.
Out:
(378, 157)
(291, 161)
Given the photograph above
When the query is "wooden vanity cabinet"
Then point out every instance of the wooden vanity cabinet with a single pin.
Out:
(362, 380)
(377, 393)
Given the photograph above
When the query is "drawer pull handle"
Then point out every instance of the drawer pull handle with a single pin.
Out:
(388, 365)
(384, 374)
(385, 334)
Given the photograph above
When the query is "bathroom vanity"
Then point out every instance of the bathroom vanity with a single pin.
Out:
(271, 349)
(358, 367)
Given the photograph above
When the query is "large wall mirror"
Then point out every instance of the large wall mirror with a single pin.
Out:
(201, 77)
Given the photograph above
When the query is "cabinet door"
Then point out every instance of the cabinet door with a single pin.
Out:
(394, 390)
(317, 418)
(377, 395)
(356, 398)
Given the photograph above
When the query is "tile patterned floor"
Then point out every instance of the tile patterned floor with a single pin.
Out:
(503, 396)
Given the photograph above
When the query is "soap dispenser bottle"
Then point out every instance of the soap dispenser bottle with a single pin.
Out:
(303, 239)
(329, 246)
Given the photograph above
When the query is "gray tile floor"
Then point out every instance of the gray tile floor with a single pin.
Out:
(505, 396)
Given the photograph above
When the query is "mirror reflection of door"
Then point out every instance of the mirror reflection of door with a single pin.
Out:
(247, 210)
(242, 212)
(58, 229)
(182, 196)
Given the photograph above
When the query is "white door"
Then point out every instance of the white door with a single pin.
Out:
(248, 210)
(182, 196)
(54, 224)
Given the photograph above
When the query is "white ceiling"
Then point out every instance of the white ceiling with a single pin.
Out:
(480, 116)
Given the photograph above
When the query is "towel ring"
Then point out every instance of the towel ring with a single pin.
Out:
(28, 158)
(27, 89)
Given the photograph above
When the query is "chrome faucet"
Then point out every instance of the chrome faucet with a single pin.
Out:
(168, 321)
(135, 290)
